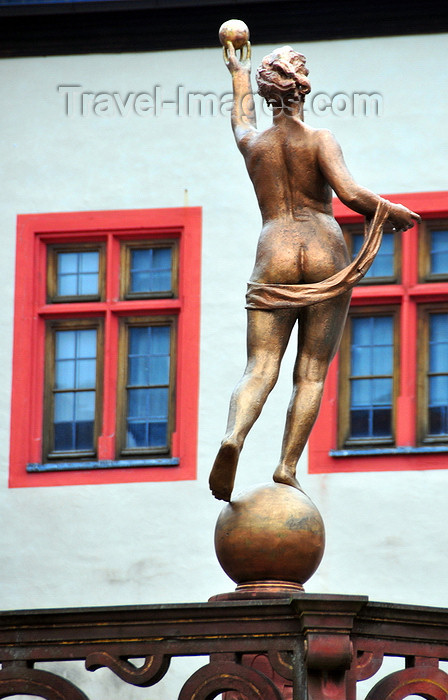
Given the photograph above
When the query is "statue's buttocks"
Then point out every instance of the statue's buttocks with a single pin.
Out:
(307, 248)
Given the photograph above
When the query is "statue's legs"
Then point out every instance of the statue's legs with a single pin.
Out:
(320, 329)
(268, 334)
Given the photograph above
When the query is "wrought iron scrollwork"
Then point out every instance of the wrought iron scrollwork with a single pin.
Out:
(282, 663)
(152, 671)
(217, 678)
(428, 682)
(29, 681)
(367, 664)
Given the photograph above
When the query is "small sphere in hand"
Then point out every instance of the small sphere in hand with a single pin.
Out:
(236, 31)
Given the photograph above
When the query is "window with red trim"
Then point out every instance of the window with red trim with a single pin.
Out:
(106, 347)
(385, 403)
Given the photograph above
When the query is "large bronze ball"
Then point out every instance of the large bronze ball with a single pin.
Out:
(234, 30)
(271, 533)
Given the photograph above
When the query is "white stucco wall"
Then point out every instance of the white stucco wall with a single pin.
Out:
(149, 543)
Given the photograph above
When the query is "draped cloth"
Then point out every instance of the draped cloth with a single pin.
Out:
(286, 296)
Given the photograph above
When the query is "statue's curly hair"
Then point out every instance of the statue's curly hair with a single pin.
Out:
(277, 79)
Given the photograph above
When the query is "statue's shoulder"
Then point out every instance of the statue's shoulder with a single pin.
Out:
(254, 139)
(325, 135)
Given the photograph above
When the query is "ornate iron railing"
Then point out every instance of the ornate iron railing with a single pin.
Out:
(306, 646)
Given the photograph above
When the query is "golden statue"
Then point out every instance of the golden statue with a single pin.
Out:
(302, 270)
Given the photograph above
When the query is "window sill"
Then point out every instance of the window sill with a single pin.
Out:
(381, 451)
(103, 464)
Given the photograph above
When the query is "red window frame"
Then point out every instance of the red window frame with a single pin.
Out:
(34, 233)
(409, 293)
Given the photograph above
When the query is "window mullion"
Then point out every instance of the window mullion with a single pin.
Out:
(106, 438)
(407, 381)
(406, 400)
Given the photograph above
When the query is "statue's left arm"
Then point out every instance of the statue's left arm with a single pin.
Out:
(358, 198)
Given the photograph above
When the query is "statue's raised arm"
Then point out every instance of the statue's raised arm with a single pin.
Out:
(234, 36)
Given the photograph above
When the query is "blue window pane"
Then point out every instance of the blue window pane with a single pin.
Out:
(372, 345)
(138, 370)
(162, 258)
(136, 434)
(65, 345)
(158, 403)
(68, 263)
(158, 434)
(362, 331)
(371, 358)
(438, 420)
(140, 282)
(84, 435)
(141, 259)
(151, 270)
(86, 343)
(361, 360)
(383, 264)
(145, 434)
(75, 369)
(139, 340)
(138, 400)
(438, 357)
(359, 423)
(438, 390)
(88, 261)
(148, 386)
(88, 284)
(65, 374)
(78, 273)
(381, 422)
(161, 280)
(67, 286)
(438, 328)
(75, 359)
(160, 340)
(85, 405)
(64, 407)
(370, 331)
(63, 437)
(438, 374)
(64, 412)
(381, 392)
(382, 330)
(73, 421)
(382, 359)
(85, 374)
(159, 370)
(439, 252)
(361, 392)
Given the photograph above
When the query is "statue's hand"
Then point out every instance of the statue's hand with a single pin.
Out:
(233, 63)
(402, 218)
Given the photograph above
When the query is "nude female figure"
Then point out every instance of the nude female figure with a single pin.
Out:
(294, 169)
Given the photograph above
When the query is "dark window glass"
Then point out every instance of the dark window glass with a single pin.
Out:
(77, 273)
(148, 386)
(371, 377)
(151, 270)
(383, 264)
(74, 389)
(439, 252)
(438, 374)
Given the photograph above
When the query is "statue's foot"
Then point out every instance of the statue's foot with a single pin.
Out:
(222, 475)
(286, 475)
